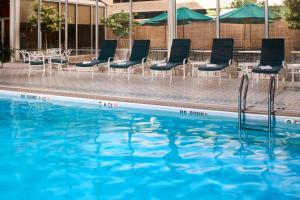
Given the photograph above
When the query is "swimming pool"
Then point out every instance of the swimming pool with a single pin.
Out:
(63, 150)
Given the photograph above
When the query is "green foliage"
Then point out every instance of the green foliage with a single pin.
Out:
(277, 11)
(240, 3)
(118, 23)
(50, 19)
(292, 13)
(5, 54)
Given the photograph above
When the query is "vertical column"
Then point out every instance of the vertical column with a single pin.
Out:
(39, 25)
(59, 30)
(217, 18)
(105, 15)
(76, 27)
(14, 26)
(266, 19)
(92, 29)
(97, 28)
(66, 24)
(130, 25)
(172, 23)
(2, 32)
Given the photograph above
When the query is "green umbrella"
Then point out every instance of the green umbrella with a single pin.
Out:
(247, 14)
(183, 14)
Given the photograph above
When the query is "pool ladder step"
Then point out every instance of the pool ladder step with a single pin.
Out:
(242, 107)
(255, 125)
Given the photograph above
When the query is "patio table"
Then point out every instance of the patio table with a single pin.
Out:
(49, 58)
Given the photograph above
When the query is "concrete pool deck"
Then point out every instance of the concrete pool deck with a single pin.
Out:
(181, 93)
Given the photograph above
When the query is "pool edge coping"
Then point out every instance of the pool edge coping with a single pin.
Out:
(186, 107)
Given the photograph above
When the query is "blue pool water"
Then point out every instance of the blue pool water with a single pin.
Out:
(51, 151)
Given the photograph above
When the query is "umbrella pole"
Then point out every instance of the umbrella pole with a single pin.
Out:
(183, 31)
(244, 39)
(250, 36)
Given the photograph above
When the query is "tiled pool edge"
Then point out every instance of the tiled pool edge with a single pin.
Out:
(192, 109)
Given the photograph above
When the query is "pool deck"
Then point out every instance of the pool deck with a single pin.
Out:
(181, 93)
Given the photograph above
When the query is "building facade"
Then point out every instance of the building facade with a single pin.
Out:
(18, 33)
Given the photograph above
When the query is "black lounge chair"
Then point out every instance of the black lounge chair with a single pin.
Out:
(138, 56)
(272, 57)
(106, 55)
(179, 56)
(221, 57)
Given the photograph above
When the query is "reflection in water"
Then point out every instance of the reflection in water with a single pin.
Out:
(72, 152)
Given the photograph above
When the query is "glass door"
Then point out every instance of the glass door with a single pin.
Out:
(2, 31)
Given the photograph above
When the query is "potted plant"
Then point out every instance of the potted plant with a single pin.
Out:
(5, 54)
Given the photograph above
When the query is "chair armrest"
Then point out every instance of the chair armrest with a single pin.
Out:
(258, 62)
(284, 64)
(110, 59)
(230, 62)
(185, 61)
(144, 60)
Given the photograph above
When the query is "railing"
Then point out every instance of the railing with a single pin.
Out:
(242, 99)
(242, 102)
(271, 96)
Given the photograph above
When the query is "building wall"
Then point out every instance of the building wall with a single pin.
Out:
(202, 33)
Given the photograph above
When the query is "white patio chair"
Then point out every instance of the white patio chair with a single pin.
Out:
(36, 62)
(25, 56)
(62, 60)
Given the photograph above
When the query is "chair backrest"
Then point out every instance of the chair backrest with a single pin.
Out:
(272, 52)
(180, 50)
(25, 56)
(107, 50)
(140, 50)
(222, 50)
(36, 56)
(66, 54)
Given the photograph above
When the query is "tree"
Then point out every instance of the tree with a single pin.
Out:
(292, 13)
(118, 23)
(240, 3)
(50, 20)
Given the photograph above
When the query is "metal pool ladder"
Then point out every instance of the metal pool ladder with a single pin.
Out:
(242, 100)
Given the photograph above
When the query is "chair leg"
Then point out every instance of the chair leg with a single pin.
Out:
(108, 70)
(220, 78)
(44, 70)
(198, 75)
(29, 71)
(77, 73)
(152, 76)
(171, 76)
(128, 74)
(143, 70)
(252, 80)
(92, 73)
(183, 71)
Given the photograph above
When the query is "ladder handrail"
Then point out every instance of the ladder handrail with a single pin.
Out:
(242, 94)
(271, 97)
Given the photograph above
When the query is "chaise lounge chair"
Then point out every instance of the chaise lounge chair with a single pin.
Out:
(138, 56)
(221, 58)
(106, 55)
(179, 56)
(272, 57)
